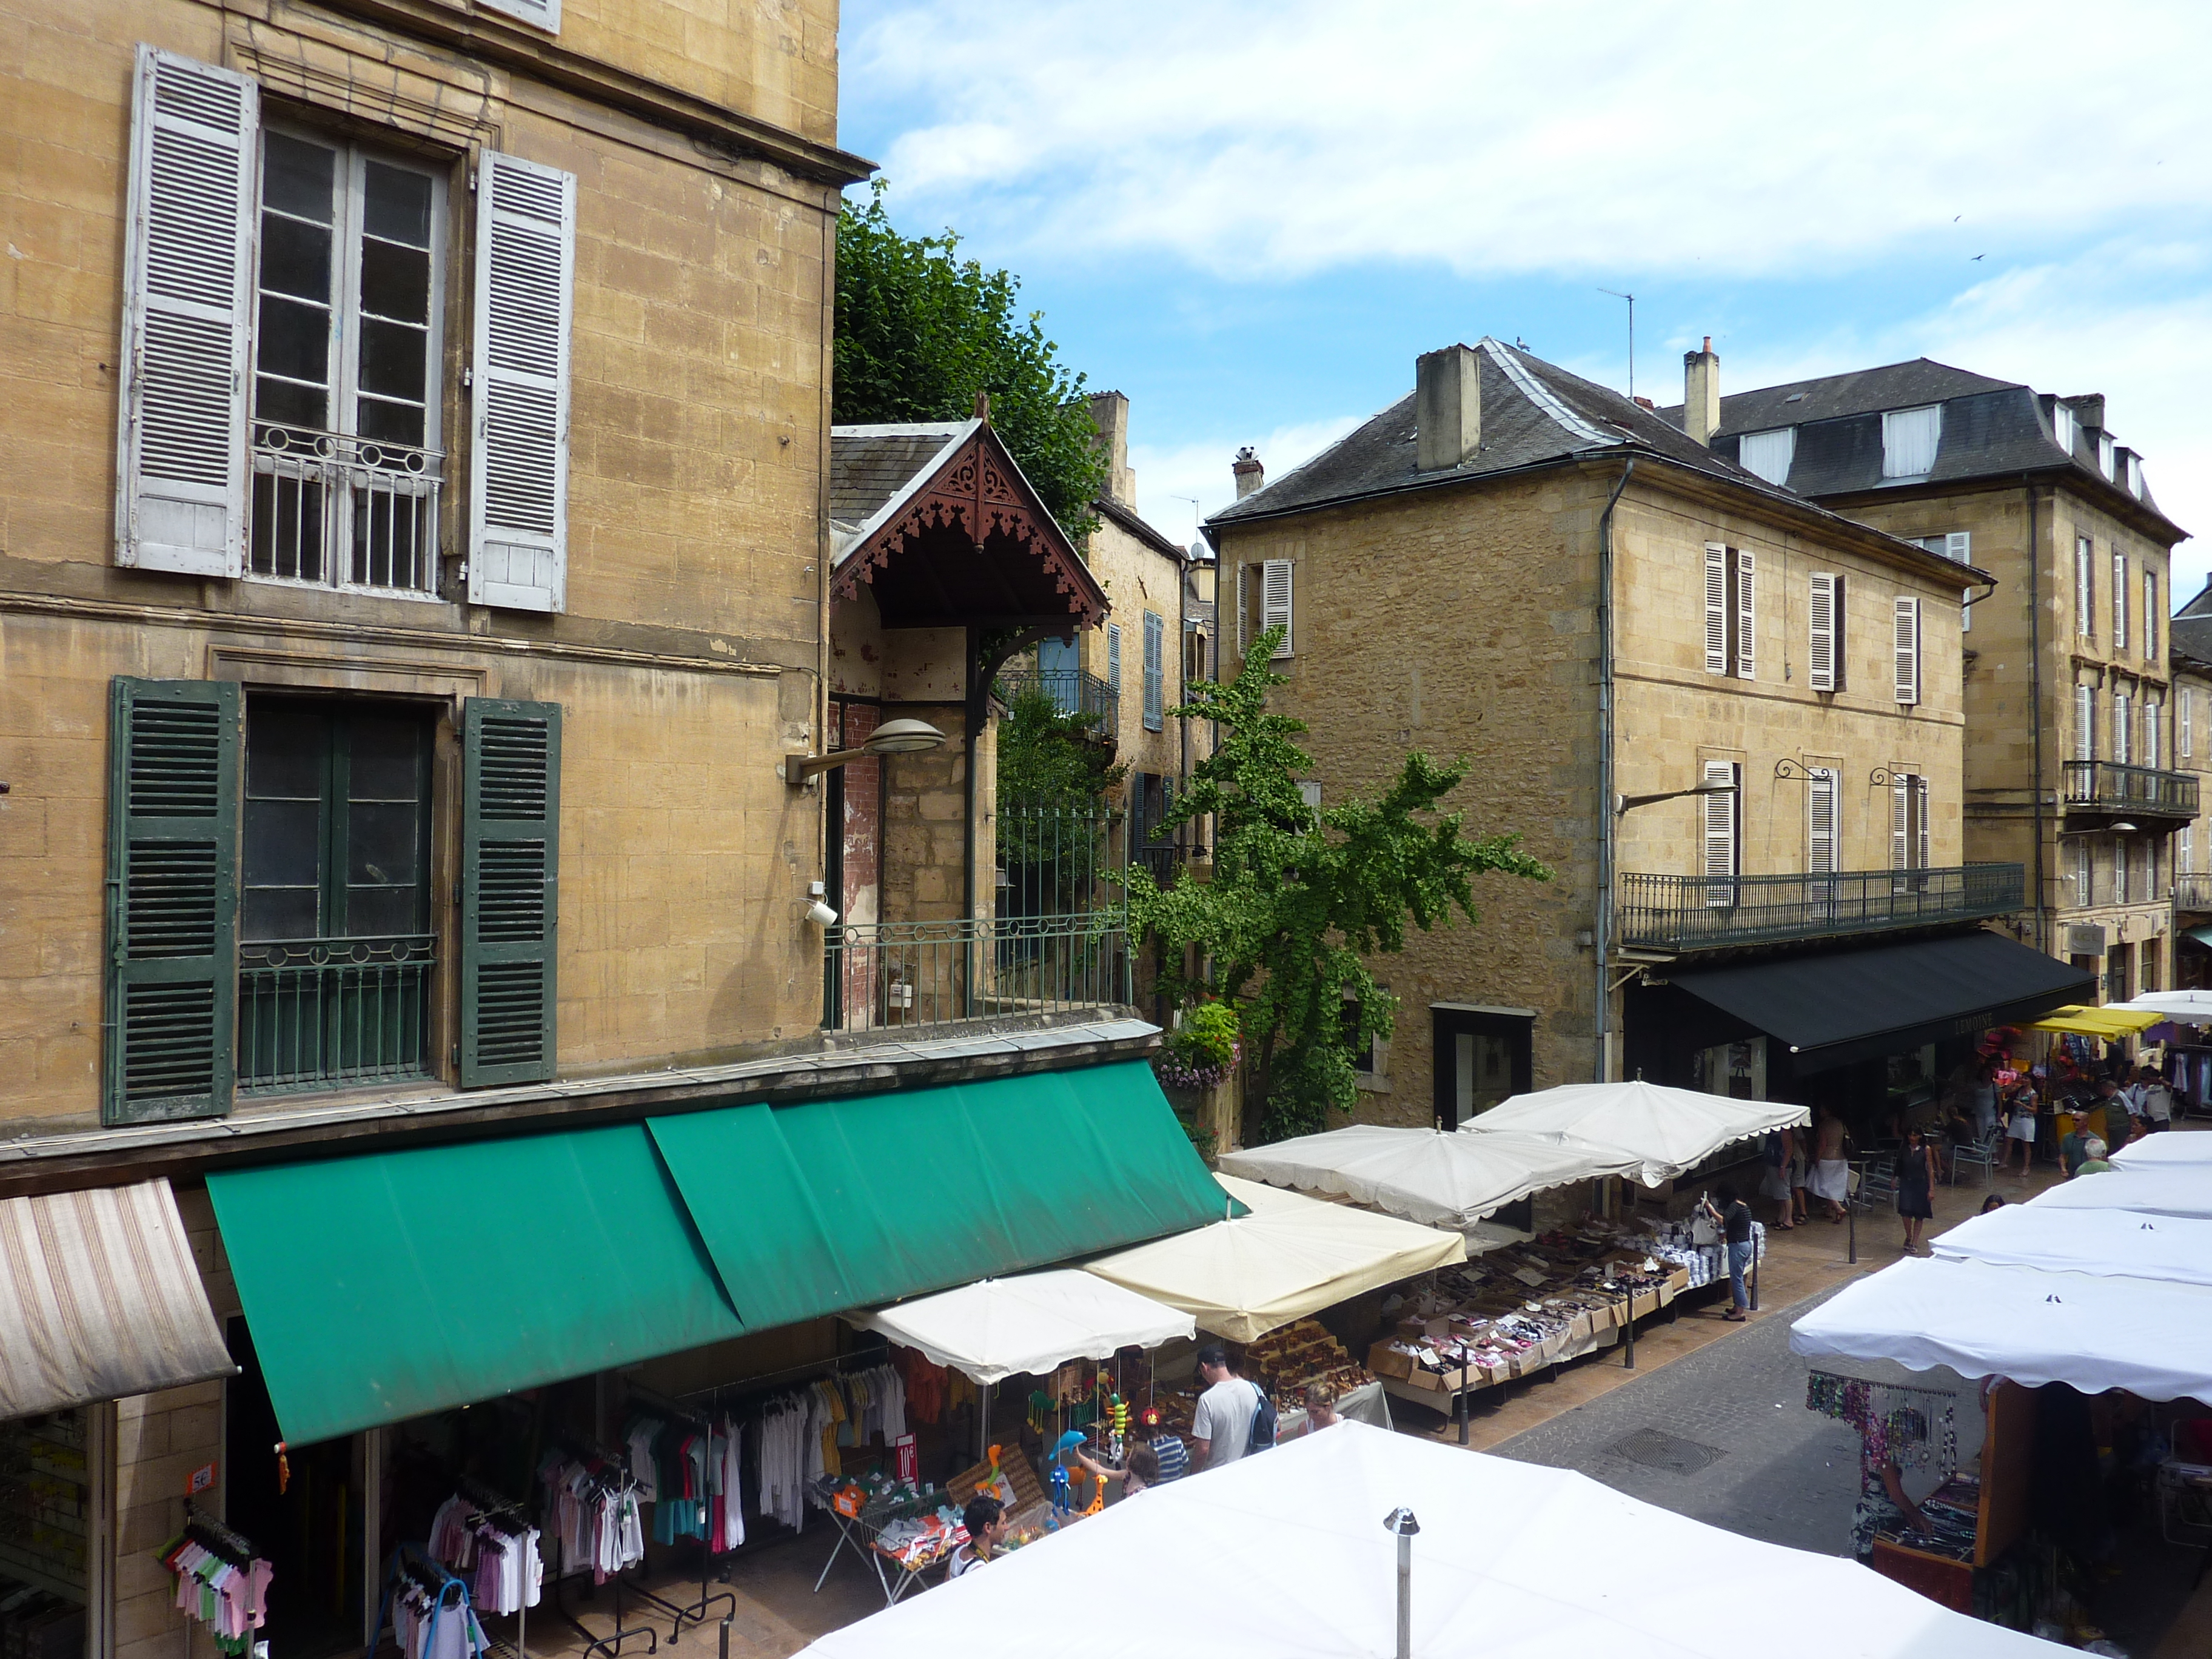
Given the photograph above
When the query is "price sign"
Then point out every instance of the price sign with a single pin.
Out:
(909, 1463)
(201, 1479)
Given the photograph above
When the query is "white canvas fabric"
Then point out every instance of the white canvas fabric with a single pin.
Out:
(1285, 1557)
(2106, 1242)
(1442, 1178)
(1669, 1129)
(2190, 1006)
(2173, 1148)
(1290, 1257)
(997, 1328)
(2150, 1337)
(2168, 1189)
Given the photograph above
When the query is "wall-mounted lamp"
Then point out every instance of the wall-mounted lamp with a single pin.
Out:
(1629, 803)
(2123, 828)
(891, 738)
(821, 914)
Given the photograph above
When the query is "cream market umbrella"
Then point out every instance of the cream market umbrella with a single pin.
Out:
(1433, 1176)
(1000, 1328)
(1290, 1257)
(1665, 1130)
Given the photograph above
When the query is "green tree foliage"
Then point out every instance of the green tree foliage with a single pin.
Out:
(1298, 898)
(921, 332)
(1054, 782)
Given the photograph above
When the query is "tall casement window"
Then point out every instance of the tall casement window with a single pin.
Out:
(1825, 610)
(272, 929)
(2187, 742)
(2122, 720)
(284, 292)
(1114, 665)
(2119, 601)
(2084, 871)
(1731, 611)
(2154, 746)
(2120, 884)
(346, 458)
(1821, 837)
(2085, 588)
(2152, 616)
(1263, 601)
(1723, 837)
(2184, 849)
(1155, 651)
(1908, 821)
(1905, 649)
(2085, 723)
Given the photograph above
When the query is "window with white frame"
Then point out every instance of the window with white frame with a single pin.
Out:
(2119, 600)
(2119, 871)
(1910, 439)
(2085, 587)
(1731, 611)
(2150, 630)
(2186, 742)
(1908, 821)
(2085, 871)
(2085, 723)
(1825, 614)
(2065, 427)
(1905, 649)
(1723, 832)
(2104, 457)
(2123, 719)
(1821, 825)
(1768, 454)
(2153, 713)
(2184, 849)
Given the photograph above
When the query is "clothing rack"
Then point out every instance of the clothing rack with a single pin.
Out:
(495, 1507)
(654, 1405)
(412, 1561)
(774, 1381)
(610, 1644)
(210, 1534)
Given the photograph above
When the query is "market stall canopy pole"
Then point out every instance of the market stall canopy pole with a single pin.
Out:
(1281, 1555)
(1669, 1129)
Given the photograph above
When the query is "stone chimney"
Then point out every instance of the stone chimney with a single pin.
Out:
(1109, 413)
(1447, 407)
(1248, 472)
(1701, 394)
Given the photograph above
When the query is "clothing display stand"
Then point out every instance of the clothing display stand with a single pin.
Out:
(409, 1562)
(698, 1610)
(493, 1507)
(612, 1643)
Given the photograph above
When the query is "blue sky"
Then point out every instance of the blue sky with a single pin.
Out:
(1250, 218)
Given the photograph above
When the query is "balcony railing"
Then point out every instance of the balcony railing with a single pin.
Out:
(2110, 786)
(345, 512)
(2192, 891)
(1696, 913)
(905, 974)
(1072, 691)
(322, 1013)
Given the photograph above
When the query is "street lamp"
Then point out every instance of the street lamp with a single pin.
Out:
(891, 738)
(1622, 804)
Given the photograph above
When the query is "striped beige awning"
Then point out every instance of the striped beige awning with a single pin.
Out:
(98, 1298)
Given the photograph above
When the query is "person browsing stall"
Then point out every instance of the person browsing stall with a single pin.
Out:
(1140, 1470)
(986, 1520)
(2094, 1161)
(1221, 1428)
(1733, 1217)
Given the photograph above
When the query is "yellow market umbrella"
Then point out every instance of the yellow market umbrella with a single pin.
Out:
(2106, 1023)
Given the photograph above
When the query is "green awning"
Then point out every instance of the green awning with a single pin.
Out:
(814, 1208)
(381, 1288)
(2201, 935)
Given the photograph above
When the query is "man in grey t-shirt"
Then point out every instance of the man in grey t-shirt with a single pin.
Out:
(1221, 1428)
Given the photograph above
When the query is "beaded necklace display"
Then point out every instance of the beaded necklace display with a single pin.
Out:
(1913, 1428)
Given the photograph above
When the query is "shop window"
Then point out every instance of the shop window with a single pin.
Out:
(1737, 1070)
(1369, 1055)
(46, 1526)
(1479, 1055)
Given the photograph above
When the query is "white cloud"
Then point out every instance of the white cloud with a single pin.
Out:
(1582, 136)
(1169, 481)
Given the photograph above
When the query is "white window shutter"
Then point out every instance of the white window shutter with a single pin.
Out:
(1275, 602)
(1747, 618)
(2184, 849)
(543, 14)
(1821, 611)
(2188, 745)
(1243, 609)
(1900, 793)
(188, 273)
(2085, 723)
(1909, 439)
(525, 281)
(2119, 601)
(1920, 823)
(2123, 709)
(2085, 587)
(1907, 650)
(1717, 630)
(1719, 835)
(2150, 614)
(1960, 545)
(2153, 713)
(1821, 823)
(1114, 661)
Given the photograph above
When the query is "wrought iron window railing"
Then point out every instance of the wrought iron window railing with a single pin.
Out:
(2130, 789)
(345, 512)
(320, 1013)
(2192, 891)
(1691, 913)
(1072, 691)
(931, 973)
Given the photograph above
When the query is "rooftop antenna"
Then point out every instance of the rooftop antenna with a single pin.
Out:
(1631, 298)
(1192, 500)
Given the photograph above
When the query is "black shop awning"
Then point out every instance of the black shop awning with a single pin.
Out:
(1846, 1005)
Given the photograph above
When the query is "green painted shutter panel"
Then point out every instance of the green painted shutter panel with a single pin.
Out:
(172, 981)
(510, 869)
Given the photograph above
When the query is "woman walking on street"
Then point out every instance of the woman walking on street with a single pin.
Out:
(2019, 1126)
(1916, 1187)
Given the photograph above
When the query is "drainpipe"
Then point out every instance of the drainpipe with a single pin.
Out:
(2035, 706)
(971, 724)
(1602, 932)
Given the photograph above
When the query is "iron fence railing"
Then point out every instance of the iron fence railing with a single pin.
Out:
(345, 512)
(905, 974)
(316, 1013)
(1691, 913)
(1054, 856)
(1072, 691)
(2130, 789)
(2192, 891)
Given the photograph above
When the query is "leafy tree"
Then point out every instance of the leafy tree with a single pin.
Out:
(920, 333)
(1055, 782)
(1299, 897)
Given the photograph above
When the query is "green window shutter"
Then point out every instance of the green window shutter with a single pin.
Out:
(172, 981)
(510, 866)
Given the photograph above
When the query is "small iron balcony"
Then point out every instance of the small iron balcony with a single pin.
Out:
(2109, 787)
(1071, 690)
(1704, 912)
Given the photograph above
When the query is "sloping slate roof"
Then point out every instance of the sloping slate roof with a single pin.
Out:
(1532, 412)
(1128, 520)
(2191, 637)
(1893, 386)
(1983, 433)
(869, 464)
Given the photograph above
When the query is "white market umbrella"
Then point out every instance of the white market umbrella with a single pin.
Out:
(2169, 1149)
(2174, 1189)
(1290, 1257)
(1000, 1327)
(2191, 1007)
(1668, 1130)
(1432, 1176)
(2151, 1337)
(1284, 1556)
(2106, 1242)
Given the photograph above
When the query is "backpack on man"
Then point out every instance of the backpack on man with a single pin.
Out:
(1265, 1422)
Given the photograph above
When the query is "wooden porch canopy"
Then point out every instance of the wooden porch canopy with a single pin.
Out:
(940, 525)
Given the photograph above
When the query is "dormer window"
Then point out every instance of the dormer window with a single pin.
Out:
(1768, 454)
(2106, 455)
(1909, 441)
(2065, 427)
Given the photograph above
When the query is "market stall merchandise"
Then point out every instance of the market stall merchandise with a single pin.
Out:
(1290, 1257)
(1285, 1555)
(2177, 1248)
(2176, 1189)
(2147, 1152)
(1669, 1130)
(1445, 1178)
